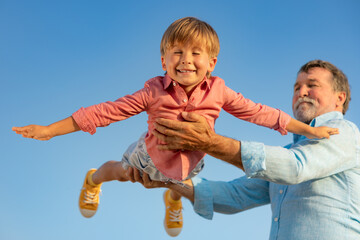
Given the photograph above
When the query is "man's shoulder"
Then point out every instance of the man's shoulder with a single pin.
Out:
(340, 122)
(348, 131)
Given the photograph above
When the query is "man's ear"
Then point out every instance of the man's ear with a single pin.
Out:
(163, 64)
(341, 97)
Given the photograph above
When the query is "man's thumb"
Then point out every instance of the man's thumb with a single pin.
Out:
(191, 117)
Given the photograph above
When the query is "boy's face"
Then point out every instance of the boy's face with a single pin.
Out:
(187, 64)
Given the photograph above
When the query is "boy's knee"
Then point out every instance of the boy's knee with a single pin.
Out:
(117, 170)
(111, 163)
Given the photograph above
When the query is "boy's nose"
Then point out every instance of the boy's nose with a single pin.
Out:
(186, 58)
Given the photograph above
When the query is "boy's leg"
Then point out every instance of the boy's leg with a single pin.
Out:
(89, 195)
(109, 171)
(173, 221)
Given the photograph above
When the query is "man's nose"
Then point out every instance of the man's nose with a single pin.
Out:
(303, 91)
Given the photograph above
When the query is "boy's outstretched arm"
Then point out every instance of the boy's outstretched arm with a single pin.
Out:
(301, 128)
(65, 126)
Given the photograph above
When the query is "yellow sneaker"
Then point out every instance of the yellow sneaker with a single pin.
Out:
(89, 197)
(173, 221)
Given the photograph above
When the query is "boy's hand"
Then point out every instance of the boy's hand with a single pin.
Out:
(322, 132)
(34, 131)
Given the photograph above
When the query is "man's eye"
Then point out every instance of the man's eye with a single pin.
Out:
(196, 53)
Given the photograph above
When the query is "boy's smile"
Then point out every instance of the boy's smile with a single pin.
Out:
(187, 64)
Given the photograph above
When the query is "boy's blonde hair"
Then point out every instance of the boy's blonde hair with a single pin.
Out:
(190, 30)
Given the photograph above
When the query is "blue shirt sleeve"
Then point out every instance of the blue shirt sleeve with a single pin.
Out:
(229, 197)
(304, 160)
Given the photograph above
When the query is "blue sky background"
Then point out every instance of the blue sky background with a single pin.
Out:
(58, 56)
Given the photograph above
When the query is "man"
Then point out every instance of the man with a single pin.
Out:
(312, 185)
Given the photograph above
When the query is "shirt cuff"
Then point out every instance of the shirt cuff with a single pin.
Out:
(203, 198)
(253, 158)
(81, 119)
(284, 120)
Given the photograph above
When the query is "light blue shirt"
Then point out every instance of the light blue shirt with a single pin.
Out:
(313, 185)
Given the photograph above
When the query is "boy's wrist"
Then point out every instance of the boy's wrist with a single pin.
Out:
(50, 130)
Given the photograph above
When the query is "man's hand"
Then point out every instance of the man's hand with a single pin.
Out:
(194, 135)
(134, 175)
(197, 135)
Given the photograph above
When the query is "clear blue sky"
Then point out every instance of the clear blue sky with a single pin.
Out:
(58, 56)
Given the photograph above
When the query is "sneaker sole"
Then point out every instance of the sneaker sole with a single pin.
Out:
(87, 213)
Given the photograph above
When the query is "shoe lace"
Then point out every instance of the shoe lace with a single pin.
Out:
(175, 215)
(90, 198)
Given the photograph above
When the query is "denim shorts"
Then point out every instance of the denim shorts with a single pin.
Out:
(137, 156)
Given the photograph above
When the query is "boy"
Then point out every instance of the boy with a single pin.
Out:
(189, 50)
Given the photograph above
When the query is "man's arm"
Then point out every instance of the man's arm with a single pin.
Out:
(196, 134)
(213, 196)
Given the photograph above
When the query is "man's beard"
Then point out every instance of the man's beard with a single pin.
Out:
(307, 111)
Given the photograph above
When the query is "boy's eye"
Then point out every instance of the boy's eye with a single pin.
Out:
(196, 53)
(177, 52)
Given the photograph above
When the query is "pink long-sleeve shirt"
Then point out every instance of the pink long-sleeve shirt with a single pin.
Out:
(163, 97)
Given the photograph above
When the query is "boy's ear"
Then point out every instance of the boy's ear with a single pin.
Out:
(212, 64)
(163, 64)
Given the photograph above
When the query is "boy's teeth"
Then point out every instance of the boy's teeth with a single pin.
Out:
(185, 71)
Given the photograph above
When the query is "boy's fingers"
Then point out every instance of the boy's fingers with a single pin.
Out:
(17, 129)
(21, 129)
(334, 131)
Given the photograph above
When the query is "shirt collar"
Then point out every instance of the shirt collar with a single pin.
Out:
(167, 81)
(320, 120)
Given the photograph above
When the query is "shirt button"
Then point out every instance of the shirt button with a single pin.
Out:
(184, 100)
(276, 219)
(281, 191)
(174, 84)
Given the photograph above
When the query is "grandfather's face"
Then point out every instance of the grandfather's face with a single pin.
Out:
(313, 95)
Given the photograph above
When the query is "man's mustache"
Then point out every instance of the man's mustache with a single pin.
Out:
(302, 100)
